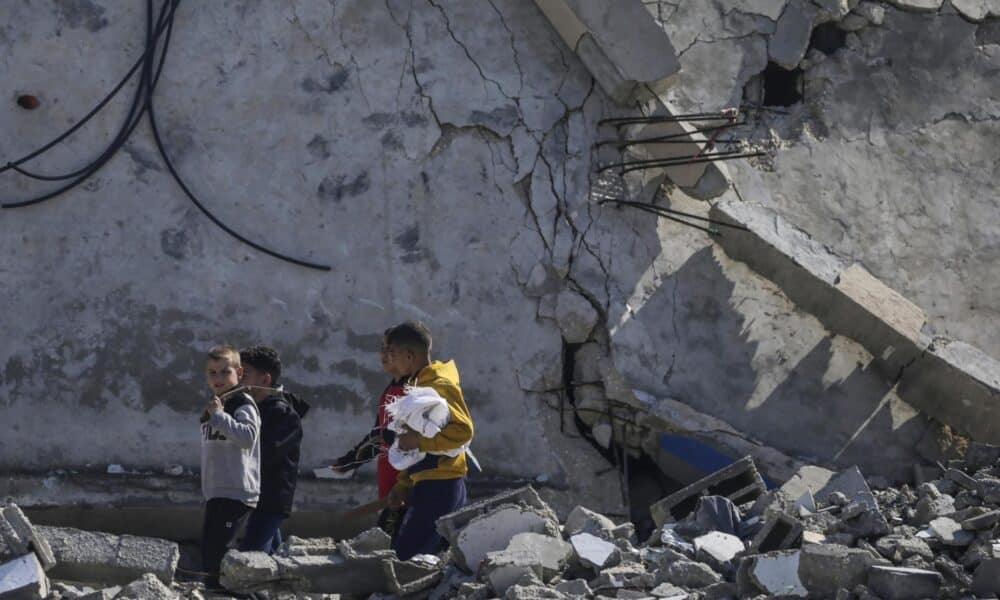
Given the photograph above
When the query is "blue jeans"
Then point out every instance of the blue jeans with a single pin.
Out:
(263, 533)
(428, 501)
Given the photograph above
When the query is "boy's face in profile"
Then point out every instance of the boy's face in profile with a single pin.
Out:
(386, 358)
(222, 376)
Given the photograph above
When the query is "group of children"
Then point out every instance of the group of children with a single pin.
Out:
(252, 433)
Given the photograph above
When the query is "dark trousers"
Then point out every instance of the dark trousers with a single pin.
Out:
(263, 532)
(428, 501)
(223, 520)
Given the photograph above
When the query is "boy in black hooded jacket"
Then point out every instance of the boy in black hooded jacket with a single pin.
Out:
(280, 440)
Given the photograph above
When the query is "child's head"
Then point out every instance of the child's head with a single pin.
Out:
(383, 354)
(408, 346)
(222, 369)
(261, 366)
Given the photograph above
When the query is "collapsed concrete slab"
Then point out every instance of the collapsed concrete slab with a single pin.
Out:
(619, 43)
(528, 553)
(902, 583)
(23, 579)
(451, 524)
(774, 573)
(739, 482)
(19, 537)
(104, 558)
(592, 551)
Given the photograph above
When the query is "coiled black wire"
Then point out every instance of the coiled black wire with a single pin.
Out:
(143, 102)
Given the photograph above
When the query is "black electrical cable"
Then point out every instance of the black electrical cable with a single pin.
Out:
(194, 199)
(14, 164)
(144, 95)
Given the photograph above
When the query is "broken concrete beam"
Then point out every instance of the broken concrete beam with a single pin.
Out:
(956, 384)
(493, 531)
(825, 568)
(20, 537)
(618, 41)
(780, 532)
(846, 299)
(543, 555)
(739, 482)
(23, 579)
(451, 524)
(147, 587)
(592, 551)
(104, 558)
(902, 583)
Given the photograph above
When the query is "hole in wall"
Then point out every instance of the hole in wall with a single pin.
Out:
(781, 87)
(827, 38)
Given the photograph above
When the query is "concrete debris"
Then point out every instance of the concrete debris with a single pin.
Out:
(23, 579)
(527, 553)
(691, 574)
(717, 549)
(147, 587)
(493, 531)
(19, 537)
(450, 525)
(775, 574)
(592, 550)
(825, 568)
(901, 583)
(94, 557)
(575, 588)
(584, 520)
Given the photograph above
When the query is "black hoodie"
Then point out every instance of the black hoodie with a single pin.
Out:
(280, 438)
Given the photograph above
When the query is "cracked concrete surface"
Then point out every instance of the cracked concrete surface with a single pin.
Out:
(438, 154)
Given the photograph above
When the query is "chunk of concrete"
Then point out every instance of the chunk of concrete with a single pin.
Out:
(575, 588)
(95, 557)
(983, 521)
(668, 591)
(584, 520)
(618, 41)
(717, 548)
(21, 537)
(986, 578)
(592, 550)
(543, 555)
(691, 574)
(950, 532)
(372, 540)
(739, 482)
(897, 548)
(918, 5)
(825, 568)
(902, 583)
(23, 579)
(102, 594)
(787, 45)
(780, 532)
(451, 524)
(493, 531)
(147, 587)
(777, 573)
(576, 316)
(245, 571)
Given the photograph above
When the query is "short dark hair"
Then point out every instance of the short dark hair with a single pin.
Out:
(225, 352)
(411, 335)
(264, 359)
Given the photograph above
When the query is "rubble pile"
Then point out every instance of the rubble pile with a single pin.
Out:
(819, 535)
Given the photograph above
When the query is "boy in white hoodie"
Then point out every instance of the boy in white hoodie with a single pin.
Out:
(230, 459)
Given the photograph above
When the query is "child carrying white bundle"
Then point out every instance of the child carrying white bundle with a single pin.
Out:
(422, 410)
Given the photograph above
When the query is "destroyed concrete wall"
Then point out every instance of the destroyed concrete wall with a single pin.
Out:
(438, 155)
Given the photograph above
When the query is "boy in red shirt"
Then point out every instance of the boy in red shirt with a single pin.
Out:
(376, 443)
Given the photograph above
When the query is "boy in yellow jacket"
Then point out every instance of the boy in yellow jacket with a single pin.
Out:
(435, 486)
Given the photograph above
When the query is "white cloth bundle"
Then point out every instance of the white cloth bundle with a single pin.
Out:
(422, 410)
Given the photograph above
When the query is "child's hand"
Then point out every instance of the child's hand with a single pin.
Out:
(397, 497)
(214, 405)
(409, 440)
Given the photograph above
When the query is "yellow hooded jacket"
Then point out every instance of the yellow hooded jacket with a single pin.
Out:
(443, 378)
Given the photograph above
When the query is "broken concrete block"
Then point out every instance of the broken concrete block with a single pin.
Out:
(102, 594)
(584, 520)
(21, 537)
(787, 46)
(825, 568)
(23, 579)
(780, 532)
(372, 540)
(574, 588)
(451, 524)
(950, 532)
(900, 583)
(623, 576)
(929, 508)
(147, 587)
(777, 573)
(739, 482)
(897, 548)
(543, 555)
(983, 521)
(246, 571)
(533, 592)
(961, 478)
(104, 558)
(717, 549)
(986, 578)
(980, 455)
(576, 316)
(668, 590)
(493, 531)
(918, 5)
(593, 551)
(619, 42)
(690, 574)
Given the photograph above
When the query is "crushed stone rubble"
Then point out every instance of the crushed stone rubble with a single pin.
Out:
(821, 534)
